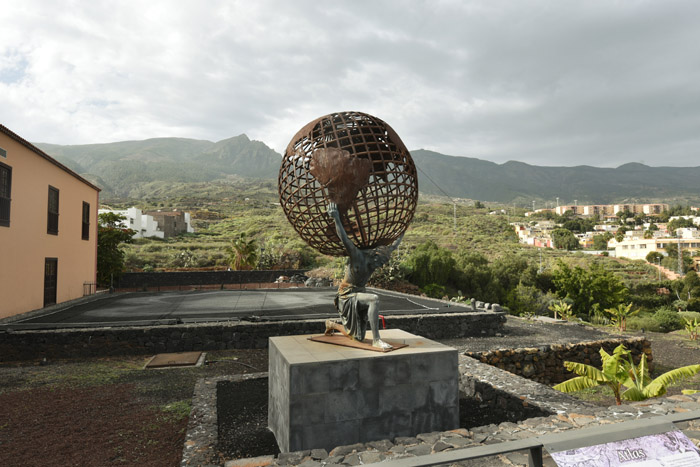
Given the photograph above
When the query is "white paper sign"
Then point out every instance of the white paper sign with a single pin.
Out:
(670, 449)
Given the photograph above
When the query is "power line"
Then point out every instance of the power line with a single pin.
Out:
(454, 203)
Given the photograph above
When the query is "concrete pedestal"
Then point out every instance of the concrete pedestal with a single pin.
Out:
(323, 396)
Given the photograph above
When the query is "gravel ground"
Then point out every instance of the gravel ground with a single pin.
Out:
(520, 333)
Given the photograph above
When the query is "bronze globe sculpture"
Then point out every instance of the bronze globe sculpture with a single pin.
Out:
(349, 187)
(360, 163)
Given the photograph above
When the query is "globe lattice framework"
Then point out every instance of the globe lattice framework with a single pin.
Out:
(360, 163)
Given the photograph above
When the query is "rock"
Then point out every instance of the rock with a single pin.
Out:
(382, 445)
(319, 454)
(261, 461)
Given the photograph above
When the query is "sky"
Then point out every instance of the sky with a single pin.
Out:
(556, 83)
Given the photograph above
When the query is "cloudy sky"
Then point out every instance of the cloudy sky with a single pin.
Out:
(544, 82)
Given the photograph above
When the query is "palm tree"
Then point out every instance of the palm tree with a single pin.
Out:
(243, 252)
(619, 372)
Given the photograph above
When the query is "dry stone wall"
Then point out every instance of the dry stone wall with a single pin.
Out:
(545, 364)
(91, 342)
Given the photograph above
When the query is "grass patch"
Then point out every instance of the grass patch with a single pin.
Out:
(177, 410)
(93, 373)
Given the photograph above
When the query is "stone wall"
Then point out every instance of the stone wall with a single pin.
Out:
(75, 343)
(545, 364)
(504, 396)
(143, 280)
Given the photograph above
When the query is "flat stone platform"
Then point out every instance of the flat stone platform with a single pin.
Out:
(324, 395)
(154, 308)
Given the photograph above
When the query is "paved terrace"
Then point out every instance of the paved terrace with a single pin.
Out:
(153, 308)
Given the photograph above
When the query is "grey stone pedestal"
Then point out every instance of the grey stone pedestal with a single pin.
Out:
(323, 395)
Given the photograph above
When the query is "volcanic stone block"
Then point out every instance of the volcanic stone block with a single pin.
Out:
(323, 395)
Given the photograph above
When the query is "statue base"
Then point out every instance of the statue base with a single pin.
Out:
(323, 396)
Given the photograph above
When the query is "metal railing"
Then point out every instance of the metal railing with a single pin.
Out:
(553, 442)
(89, 288)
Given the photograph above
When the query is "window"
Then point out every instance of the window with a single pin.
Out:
(52, 226)
(86, 221)
(5, 190)
(3, 153)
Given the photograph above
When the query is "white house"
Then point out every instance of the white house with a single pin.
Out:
(145, 225)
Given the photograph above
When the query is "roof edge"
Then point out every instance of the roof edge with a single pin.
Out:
(41, 153)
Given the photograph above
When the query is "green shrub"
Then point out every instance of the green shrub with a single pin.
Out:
(434, 290)
(668, 320)
(646, 322)
(691, 315)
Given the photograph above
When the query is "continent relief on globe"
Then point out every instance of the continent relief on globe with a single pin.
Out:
(340, 174)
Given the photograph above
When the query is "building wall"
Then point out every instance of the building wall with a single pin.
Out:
(25, 244)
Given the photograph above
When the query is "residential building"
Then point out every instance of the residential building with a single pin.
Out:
(172, 222)
(639, 248)
(610, 210)
(48, 229)
(159, 224)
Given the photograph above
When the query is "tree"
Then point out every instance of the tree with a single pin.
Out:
(476, 277)
(618, 372)
(110, 257)
(243, 253)
(430, 264)
(653, 256)
(478, 205)
(589, 289)
(565, 239)
(679, 223)
(600, 242)
(620, 234)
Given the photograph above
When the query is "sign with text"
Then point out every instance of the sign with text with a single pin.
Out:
(669, 449)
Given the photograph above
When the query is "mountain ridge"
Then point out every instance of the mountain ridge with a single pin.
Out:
(123, 167)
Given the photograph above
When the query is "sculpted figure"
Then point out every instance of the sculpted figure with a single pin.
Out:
(355, 306)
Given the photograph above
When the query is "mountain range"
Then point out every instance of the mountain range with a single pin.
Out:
(122, 168)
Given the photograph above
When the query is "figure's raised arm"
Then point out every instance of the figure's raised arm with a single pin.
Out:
(340, 230)
(395, 245)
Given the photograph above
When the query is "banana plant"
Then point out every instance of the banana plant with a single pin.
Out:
(620, 314)
(563, 309)
(692, 328)
(628, 381)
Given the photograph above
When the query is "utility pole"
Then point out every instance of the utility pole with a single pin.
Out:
(680, 254)
(658, 261)
(533, 205)
(454, 217)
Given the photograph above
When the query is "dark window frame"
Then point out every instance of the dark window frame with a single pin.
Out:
(86, 221)
(52, 216)
(6, 200)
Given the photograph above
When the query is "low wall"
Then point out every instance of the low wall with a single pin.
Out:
(508, 397)
(139, 280)
(545, 364)
(91, 342)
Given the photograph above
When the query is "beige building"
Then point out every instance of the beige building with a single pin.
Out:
(48, 229)
(611, 210)
(639, 248)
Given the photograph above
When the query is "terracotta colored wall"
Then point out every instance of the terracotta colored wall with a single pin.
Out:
(25, 244)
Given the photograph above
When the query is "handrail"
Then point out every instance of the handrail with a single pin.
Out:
(570, 439)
